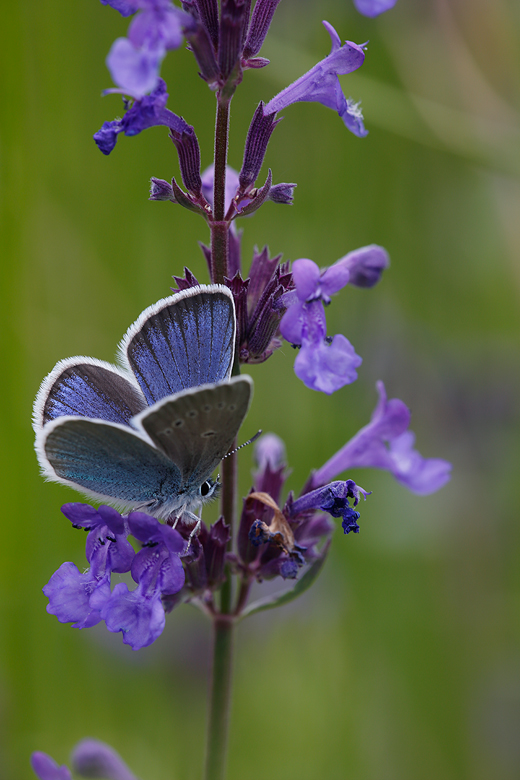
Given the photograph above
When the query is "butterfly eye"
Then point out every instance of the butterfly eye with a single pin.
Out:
(205, 488)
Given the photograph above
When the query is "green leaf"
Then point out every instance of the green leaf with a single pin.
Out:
(277, 599)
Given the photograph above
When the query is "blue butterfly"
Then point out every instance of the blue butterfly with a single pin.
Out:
(148, 434)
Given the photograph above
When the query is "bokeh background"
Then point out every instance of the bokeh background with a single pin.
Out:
(403, 661)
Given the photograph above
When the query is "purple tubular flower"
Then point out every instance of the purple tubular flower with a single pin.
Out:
(92, 758)
(373, 7)
(334, 499)
(322, 364)
(76, 597)
(385, 443)
(321, 84)
(157, 569)
(46, 768)
(146, 112)
(134, 62)
(365, 265)
(125, 7)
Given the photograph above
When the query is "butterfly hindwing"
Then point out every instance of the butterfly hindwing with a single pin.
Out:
(196, 429)
(85, 387)
(183, 341)
(110, 462)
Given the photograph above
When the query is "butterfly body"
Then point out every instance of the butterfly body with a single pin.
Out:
(148, 435)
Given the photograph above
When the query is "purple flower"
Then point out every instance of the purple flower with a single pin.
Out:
(326, 366)
(157, 569)
(365, 265)
(134, 62)
(321, 84)
(46, 768)
(76, 597)
(373, 7)
(148, 111)
(125, 7)
(85, 598)
(322, 364)
(92, 758)
(334, 499)
(385, 443)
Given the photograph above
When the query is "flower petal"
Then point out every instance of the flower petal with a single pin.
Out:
(373, 7)
(140, 617)
(327, 367)
(46, 768)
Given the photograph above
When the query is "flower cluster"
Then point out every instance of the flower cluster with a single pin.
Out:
(325, 363)
(175, 566)
(85, 598)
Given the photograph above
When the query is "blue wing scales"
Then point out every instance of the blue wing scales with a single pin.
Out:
(85, 387)
(111, 463)
(182, 341)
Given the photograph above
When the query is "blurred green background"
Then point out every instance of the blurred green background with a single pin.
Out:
(403, 661)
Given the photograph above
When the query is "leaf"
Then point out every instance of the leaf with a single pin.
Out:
(303, 584)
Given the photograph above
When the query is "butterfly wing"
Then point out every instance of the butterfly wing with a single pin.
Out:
(110, 462)
(85, 387)
(182, 341)
(196, 428)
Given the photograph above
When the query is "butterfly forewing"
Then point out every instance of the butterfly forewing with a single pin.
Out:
(85, 387)
(183, 341)
(196, 429)
(109, 462)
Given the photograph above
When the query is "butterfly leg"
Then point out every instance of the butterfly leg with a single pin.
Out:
(197, 520)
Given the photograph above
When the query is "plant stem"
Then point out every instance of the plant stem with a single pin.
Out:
(220, 699)
(220, 228)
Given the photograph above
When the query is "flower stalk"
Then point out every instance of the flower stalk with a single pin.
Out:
(219, 227)
(220, 698)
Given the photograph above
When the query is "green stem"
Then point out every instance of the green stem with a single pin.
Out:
(220, 228)
(220, 703)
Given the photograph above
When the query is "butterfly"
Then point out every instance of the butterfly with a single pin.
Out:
(149, 433)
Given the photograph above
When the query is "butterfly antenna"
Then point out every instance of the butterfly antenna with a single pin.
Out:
(250, 441)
